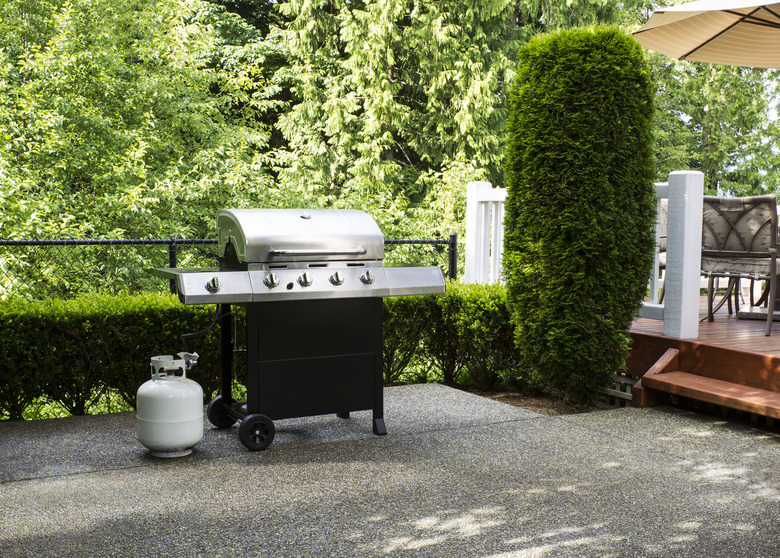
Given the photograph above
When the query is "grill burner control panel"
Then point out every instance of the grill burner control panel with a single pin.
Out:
(312, 283)
(216, 286)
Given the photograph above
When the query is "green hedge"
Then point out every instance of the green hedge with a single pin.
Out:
(580, 204)
(463, 337)
(75, 352)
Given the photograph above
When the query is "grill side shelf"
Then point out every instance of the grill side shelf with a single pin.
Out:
(209, 285)
(409, 281)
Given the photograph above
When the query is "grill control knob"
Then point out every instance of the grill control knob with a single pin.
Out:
(305, 280)
(337, 278)
(213, 285)
(367, 278)
(271, 280)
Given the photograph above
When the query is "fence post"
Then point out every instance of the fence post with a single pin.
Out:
(497, 242)
(683, 253)
(172, 260)
(653, 309)
(477, 234)
(452, 252)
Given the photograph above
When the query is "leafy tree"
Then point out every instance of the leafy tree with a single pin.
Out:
(128, 118)
(245, 48)
(388, 91)
(718, 119)
(135, 118)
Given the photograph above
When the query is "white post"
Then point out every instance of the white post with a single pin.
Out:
(652, 309)
(477, 234)
(661, 194)
(683, 254)
(497, 241)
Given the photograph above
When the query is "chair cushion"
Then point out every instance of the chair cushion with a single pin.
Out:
(741, 266)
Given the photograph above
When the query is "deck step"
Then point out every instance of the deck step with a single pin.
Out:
(719, 392)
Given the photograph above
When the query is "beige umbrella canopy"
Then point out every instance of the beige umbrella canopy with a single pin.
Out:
(734, 32)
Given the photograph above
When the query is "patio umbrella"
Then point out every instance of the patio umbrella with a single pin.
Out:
(734, 32)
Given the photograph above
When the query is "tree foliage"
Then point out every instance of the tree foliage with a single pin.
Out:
(718, 120)
(126, 117)
(141, 117)
(387, 93)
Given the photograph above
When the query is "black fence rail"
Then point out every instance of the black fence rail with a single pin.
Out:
(38, 269)
(452, 252)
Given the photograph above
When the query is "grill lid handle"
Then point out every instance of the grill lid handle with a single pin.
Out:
(320, 252)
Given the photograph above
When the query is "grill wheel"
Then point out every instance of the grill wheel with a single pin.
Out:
(256, 432)
(217, 414)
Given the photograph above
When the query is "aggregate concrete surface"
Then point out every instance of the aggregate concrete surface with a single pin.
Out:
(457, 475)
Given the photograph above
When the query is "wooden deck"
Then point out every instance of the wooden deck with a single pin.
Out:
(730, 349)
(726, 331)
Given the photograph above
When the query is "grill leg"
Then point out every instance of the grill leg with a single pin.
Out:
(379, 380)
(226, 342)
(379, 425)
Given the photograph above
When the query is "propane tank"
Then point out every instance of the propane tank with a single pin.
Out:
(170, 407)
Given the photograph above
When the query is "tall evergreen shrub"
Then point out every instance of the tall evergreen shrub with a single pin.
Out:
(580, 209)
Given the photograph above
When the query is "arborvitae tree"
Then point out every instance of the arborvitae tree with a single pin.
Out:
(580, 207)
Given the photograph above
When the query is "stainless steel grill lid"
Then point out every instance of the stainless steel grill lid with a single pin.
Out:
(289, 235)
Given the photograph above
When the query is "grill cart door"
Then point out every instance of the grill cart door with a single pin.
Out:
(315, 357)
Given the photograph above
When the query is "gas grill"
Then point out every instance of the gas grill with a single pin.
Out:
(312, 282)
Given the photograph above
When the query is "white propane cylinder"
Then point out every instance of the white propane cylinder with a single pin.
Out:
(170, 408)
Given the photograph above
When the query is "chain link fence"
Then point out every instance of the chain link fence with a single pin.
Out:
(40, 269)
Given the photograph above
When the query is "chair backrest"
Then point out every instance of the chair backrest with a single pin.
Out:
(738, 228)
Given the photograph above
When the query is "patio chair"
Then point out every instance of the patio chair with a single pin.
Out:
(739, 241)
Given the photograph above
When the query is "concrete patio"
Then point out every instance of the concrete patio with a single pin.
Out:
(457, 475)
